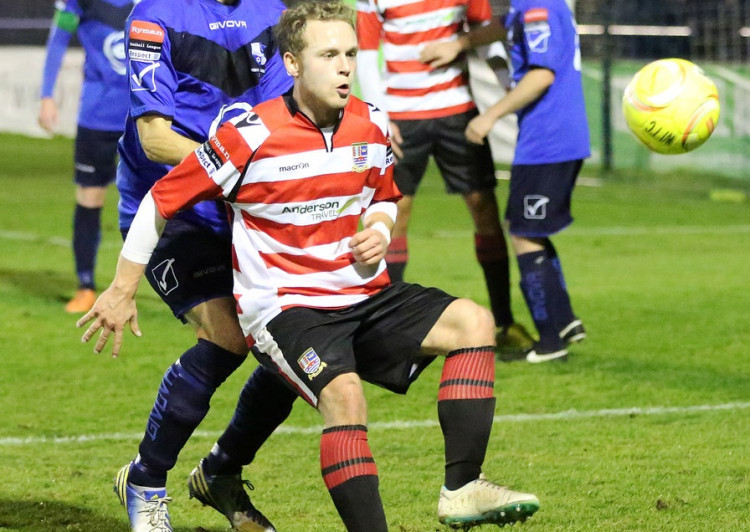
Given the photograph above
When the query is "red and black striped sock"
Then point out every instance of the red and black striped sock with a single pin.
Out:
(351, 477)
(466, 406)
(492, 254)
(396, 258)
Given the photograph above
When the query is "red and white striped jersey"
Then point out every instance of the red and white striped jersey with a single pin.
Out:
(414, 90)
(297, 196)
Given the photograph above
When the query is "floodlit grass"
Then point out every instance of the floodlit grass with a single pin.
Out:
(621, 437)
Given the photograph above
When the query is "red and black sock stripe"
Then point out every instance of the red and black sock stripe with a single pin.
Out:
(466, 406)
(351, 476)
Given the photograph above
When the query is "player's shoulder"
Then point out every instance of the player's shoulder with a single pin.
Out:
(368, 112)
(260, 122)
(158, 11)
(539, 7)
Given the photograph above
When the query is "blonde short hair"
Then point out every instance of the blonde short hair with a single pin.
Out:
(293, 21)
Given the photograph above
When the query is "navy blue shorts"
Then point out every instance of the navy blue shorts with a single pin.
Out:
(190, 265)
(539, 198)
(379, 339)
(465, 167)
(95, 157)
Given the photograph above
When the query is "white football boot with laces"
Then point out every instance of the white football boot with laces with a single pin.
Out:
(483, 502)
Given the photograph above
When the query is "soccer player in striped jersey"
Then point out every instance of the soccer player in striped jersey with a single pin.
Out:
(99, 25)
(553, 141)
(309, 180)
(429, 109)
(191, 65)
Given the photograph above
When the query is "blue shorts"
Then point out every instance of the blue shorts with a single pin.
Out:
(95, 157)
(465, 167)
(379, 339)
(539, 198)
(191, 265)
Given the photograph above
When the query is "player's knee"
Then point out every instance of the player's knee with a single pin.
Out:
(342, 402)
(475, 324)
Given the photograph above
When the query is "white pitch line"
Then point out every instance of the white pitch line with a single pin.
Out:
(404, 425)
(52, 240)
(454, 234)
(628, 231)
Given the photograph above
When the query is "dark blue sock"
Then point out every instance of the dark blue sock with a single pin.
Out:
(264, 403)
(180, 406)
(545, 296)
(86, 237)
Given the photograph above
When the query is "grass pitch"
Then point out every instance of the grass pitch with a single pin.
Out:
(645, 428)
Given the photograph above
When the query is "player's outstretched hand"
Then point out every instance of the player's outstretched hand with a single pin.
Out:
(438, 54)
(111, 312)
(369, 246)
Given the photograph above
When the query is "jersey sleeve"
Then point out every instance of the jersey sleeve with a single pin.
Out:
(541, 30)
(212, 171)
(64, 24)
(153, 80)
(478, 12)
(385, 187)
(369, 25)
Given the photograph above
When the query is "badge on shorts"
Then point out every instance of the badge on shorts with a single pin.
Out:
(165, 277)
(310, 363)
(535, 207)
(359, 156)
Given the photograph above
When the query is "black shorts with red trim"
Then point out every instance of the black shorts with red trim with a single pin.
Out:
(464, 166)
(379, 339)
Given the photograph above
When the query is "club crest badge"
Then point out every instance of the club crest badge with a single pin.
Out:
(259, 52)
(311, 364)
(359, 156)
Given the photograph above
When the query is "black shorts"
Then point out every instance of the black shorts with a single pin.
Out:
(465, 167)
(539, 198)
(95, 157)
(190, 265)
(379, 339)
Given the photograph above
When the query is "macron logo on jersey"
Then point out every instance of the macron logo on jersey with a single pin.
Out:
(227, 24)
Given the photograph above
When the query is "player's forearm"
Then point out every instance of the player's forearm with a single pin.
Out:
(529, 89)
(482, 35)
(381, 216)
(161, 143)
(142, 238)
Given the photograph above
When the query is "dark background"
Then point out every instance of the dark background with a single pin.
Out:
(715, 26)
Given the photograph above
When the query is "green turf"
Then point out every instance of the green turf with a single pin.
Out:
(656, 269)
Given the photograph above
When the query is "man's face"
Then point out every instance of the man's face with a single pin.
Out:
(326, 65)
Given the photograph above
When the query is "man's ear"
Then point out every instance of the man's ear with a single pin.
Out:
(292, 64)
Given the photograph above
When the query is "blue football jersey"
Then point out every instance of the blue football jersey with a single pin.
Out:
(100, 29)
(542, 33)
(198, 65)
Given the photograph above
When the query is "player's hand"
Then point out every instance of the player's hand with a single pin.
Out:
(438, 54)
(396, 140)
(369, 246)
(478, 129)
(48, 115)
(111, 312)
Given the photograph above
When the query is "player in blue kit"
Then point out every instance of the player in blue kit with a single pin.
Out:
(99, 25)
(190, 69)
(553, 141)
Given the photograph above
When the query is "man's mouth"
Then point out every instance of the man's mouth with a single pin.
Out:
(344, 90)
